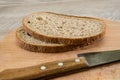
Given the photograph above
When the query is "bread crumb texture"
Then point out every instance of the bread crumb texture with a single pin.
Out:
(24, 36)
(54, 25)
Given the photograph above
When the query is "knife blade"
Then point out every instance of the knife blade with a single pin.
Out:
(62, 66)
(100, 58)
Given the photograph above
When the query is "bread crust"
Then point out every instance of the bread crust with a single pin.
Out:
(69, 41)
(42, 48)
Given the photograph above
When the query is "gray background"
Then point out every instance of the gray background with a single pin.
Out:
(12, 11)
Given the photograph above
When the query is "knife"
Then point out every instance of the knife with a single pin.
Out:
(86, 60)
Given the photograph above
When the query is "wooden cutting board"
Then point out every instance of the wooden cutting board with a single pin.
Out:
(12, 56)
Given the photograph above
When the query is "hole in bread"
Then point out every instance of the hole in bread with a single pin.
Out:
(37, 27)
(28, 22)
(39, 18)
(83, 24)
(23, 32)
(28, 34)
(82, 28)
(71, 33)
(60, 27)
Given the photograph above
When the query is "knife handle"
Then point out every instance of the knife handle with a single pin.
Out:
(44, 70)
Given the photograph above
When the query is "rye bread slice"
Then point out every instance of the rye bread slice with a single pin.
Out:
(65, 29)
(30, 43)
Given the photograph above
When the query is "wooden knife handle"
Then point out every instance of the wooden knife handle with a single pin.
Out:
(44, 70)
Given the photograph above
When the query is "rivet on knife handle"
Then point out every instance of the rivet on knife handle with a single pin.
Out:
(44, 70)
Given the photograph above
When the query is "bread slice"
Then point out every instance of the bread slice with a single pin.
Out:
(65, 29)
(28, 42)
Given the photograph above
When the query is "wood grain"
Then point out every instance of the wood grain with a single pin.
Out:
(12, 56)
